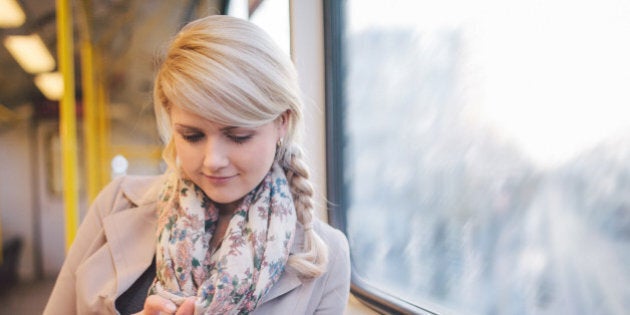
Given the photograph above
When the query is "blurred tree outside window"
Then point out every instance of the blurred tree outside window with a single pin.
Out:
(487, 149)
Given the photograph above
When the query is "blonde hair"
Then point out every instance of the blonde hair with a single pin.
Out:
(229, 71)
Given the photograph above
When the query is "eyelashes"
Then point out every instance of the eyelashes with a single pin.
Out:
(196, 137)
(192, 138)
(239, 139)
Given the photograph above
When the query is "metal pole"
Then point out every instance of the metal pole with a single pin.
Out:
(90, 120)
(103, 127)
(67, 120)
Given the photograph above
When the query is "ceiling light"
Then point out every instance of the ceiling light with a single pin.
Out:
(30, 52)
(11, 15)
(51, 85)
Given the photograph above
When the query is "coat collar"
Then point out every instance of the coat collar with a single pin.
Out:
(131, 236)
(130, 230)
(289, 279)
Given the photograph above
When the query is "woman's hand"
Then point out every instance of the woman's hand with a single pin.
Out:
(157, 305)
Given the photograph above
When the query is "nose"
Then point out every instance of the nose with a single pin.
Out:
(216, 155)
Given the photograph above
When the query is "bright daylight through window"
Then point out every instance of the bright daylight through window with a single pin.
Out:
(487, 149)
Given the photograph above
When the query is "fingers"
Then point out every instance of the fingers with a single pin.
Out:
(187, 308)
(155, 304)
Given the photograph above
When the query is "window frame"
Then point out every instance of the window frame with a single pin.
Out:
(334, 74)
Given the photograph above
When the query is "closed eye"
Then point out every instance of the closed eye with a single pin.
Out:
(193, 137)
(239, 139)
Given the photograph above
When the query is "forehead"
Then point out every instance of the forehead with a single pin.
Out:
(177, 113)
(184, 118)
(230, 117)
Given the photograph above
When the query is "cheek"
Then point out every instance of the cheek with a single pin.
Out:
(186, 155)
(259, 157)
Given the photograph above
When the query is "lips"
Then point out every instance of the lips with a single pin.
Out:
(219, 179)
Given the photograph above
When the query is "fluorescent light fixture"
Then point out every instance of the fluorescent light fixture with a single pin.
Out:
(30, 52)
(51, 85)
(11, 14)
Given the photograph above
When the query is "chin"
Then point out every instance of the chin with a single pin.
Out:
(223, 200)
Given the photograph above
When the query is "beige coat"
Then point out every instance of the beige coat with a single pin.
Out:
(116, 244)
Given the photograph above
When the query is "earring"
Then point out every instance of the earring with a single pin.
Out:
(279, 143)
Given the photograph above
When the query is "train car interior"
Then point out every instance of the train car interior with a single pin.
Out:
(474, 153)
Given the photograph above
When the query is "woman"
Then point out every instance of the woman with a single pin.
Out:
(229, 229)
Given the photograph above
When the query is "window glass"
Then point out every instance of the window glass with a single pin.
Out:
(270, 15)
(273, 17)
(486, 153)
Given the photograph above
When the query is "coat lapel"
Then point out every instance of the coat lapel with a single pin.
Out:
(289, 279)
(131, 236)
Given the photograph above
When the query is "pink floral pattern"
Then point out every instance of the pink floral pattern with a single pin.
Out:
(253, 254)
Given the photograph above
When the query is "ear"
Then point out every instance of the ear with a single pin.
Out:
(282, 123)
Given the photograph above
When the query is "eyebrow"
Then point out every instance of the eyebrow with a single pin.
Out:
(224, 129)
(229, 128)
(183, 126)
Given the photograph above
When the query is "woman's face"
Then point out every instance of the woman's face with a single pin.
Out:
(226, 162)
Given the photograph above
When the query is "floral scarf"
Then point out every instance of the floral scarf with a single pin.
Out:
(250, 260)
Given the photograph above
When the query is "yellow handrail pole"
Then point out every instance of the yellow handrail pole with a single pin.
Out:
(90, 123)
(67, 120)
(103, 128)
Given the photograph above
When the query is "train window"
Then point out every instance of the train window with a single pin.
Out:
(273, 17)
(479, 153)
(270, 15)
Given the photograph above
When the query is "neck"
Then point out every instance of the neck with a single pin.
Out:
(227, 209)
